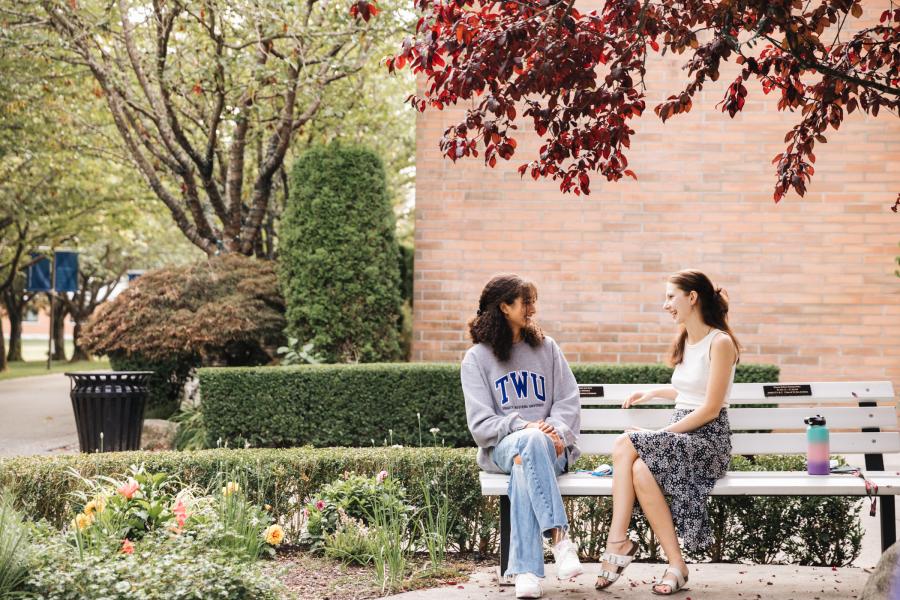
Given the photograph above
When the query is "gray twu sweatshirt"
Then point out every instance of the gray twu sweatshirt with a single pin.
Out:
(502, 397)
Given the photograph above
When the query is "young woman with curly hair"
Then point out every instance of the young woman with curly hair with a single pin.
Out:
(684, 459)
(523, 409)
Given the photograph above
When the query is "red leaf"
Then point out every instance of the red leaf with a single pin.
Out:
(631, 174)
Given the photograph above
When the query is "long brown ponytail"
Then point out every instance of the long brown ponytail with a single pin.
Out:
(713, 309)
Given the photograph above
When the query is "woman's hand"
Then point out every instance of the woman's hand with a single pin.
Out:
(557, 443)
(542, 425)
(636, 398)
(549, 431)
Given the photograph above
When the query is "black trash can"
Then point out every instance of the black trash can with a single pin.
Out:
(109, 409)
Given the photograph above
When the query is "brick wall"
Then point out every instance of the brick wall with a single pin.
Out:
(811, 279)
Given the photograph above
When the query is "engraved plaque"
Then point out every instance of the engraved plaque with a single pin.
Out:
(788, 389)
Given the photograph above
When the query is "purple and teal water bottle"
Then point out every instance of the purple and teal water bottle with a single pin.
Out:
(816, 446)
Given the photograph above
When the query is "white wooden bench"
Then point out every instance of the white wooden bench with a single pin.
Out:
(861, 418)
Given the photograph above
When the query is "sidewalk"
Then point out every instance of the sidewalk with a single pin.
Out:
(37, 416)
(708, 582)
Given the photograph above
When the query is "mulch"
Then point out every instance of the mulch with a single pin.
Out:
(310, 577)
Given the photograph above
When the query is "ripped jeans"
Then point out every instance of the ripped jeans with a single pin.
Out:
(535, 502)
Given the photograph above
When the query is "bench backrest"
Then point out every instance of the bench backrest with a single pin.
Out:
(850, 409)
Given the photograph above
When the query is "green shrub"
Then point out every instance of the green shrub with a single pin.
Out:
(162, 566)
(352, 496)
(14, 546)
(42, 487)
(339, 257)
(165, 385)
(365, 405)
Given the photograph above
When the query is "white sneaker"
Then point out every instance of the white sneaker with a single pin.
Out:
(565, 554)
(528, 586)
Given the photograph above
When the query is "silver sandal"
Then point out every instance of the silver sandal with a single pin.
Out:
(619, 561)
(678, 585)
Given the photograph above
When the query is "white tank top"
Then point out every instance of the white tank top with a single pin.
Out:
(691, 375)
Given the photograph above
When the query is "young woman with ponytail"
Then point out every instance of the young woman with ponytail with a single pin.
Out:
(684, 459)
(523, 409)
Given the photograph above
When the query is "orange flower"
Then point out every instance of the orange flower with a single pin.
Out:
(127, 546)
(129, 489)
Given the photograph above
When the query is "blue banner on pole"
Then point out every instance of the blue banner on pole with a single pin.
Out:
(66, 275)
(38, 274)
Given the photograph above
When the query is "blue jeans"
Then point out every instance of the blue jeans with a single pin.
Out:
(535, 503)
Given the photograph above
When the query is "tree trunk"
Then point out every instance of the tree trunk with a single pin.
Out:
(3, 364)
(79, 353)
(15, 332)
(15, 302)
(59, 330)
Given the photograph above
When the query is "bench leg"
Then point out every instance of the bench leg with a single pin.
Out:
(888, 522)
(504, 535)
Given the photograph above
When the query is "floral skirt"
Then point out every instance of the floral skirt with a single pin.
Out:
(686, 467)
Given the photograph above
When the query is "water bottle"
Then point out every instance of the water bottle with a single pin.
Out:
(816, 446)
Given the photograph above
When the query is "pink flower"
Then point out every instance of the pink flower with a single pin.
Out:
(127, 546)
(129, 489)
(306, 513)
(320, 505)
(381, 477)
(180, 512)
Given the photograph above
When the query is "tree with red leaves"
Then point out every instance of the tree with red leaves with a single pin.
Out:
(581, 75)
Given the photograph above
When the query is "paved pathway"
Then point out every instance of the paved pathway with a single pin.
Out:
(36, 416)
(710, 582)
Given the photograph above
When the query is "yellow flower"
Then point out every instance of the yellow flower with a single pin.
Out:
(230, 488)
(274, 535)
(83, 520)
(97, 505)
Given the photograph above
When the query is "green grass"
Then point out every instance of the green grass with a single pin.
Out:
(32, 368)
(35, 363)
(36, 350)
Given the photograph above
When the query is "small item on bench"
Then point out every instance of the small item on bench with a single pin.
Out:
(816, 446)
(844, 469)
(602, 470)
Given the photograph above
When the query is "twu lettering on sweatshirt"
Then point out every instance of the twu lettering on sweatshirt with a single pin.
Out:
(518, 382)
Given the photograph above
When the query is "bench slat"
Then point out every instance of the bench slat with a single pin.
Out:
(736, 483)
(822, 392)
(612, 419)
(773, 443)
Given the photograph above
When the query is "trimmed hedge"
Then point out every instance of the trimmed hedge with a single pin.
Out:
(365, 405)
(760, 529)
(338, 256)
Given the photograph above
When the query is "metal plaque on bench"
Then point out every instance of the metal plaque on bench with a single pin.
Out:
(787, 389)
(590, 391)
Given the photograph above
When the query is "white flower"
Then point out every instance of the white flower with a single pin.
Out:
(434, 430)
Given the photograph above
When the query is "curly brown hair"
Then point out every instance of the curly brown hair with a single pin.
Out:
(489, 326)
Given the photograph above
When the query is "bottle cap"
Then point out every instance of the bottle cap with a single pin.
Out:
(816, 420)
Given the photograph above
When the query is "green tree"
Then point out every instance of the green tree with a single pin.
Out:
(339, 256)
(207, 97)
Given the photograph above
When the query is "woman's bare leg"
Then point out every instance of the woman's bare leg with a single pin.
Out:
(656, 509)
(623, 456)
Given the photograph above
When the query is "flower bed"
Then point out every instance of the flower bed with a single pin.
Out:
(745, 528)
(143, 536)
